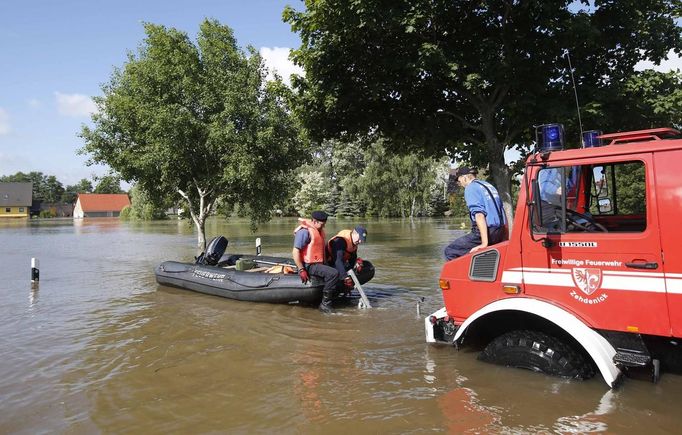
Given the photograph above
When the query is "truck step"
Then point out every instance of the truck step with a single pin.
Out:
(631, 359)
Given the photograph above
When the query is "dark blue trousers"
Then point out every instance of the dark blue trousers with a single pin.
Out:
(462, 245)
(328, 274)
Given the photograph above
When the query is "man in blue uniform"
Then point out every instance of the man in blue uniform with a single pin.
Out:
(486, 212)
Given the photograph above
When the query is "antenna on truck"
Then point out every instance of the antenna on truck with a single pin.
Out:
(575, 91)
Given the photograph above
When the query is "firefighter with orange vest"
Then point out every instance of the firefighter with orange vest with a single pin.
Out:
(342, 254)
(309, 255)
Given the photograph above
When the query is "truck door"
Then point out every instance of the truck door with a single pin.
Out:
(596, 251)
(669, 190)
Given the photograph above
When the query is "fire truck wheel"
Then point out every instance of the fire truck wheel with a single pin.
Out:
(537, 351)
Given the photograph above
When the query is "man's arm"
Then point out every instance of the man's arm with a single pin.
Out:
(301, 239)
(338, 249)
(483, 229)
(296, 255)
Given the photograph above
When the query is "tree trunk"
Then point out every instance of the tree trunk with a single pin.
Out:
(201, 235)
(499, 172)
(200, 218)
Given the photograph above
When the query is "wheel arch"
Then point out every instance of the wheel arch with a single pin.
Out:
(595, 345)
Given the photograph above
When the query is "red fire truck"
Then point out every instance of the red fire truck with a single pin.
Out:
(591, 275)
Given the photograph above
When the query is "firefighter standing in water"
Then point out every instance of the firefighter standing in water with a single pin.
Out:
(309, 255)
(342, 254)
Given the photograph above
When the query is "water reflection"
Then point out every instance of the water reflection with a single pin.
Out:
(99, 347)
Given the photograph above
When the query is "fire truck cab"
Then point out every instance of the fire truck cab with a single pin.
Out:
(590, 278)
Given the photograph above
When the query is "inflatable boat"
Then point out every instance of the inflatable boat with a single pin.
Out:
(253, 278)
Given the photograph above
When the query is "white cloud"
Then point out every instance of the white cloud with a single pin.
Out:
(34, 103)
(673, 62)
(4, 122)
(277, 58)
(75, 105)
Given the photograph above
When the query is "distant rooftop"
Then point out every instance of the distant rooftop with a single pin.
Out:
(16, 194)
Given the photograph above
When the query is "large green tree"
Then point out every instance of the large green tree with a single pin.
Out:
(469, 77)
(198, 122)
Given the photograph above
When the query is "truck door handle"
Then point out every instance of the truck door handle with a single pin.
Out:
(641, 265)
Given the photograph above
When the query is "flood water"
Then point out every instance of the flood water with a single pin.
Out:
(99, 347)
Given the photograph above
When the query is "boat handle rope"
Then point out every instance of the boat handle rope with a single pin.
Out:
(229, 278)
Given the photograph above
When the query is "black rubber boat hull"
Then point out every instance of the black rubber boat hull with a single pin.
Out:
(277, 288)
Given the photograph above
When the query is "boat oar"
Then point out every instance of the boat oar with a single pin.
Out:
(272, 263)
(364, 302)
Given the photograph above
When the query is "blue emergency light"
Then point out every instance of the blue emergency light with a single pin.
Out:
(590, 139)
(551, 137)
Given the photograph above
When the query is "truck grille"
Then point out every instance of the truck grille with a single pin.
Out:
(484, 266)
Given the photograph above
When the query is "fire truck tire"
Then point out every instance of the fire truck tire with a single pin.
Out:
(539, 352)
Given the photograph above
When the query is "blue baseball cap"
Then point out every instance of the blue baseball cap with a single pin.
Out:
(362, 232)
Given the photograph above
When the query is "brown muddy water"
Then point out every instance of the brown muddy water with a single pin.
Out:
(99, 347)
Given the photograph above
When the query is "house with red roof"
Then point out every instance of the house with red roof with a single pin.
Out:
(100, 204)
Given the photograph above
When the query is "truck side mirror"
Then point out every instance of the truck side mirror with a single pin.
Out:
(534, 209)
(600, 183)
(605, 205)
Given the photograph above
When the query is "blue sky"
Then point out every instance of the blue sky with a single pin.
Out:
(56, 54)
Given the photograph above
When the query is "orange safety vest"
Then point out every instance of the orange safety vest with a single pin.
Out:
(350, 247)
(313, 251)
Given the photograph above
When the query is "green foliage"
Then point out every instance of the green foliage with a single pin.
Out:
(396, 185)
(47, 214)
(108, 184)
(630, 189)
(71, 192)
(313, 193)
(647, 99)
(145, 207)
(197, 123)
(438, 203)
(357, 179)
(471, 77)
(348, 206)
(126, 214)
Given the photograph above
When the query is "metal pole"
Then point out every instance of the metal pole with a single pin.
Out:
(364, 302)
(35, 272)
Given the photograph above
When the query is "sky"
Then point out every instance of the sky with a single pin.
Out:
(56, 54)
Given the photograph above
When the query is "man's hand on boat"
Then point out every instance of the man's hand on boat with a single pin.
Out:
(359, 264)
(304, 275)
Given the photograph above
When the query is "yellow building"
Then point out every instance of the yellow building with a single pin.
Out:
(15, 200)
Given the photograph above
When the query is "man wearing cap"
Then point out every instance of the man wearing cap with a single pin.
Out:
(485, 211)
(309, 255)
(342, 254)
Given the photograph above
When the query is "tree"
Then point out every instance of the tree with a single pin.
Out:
(71, 192)
(648, 99)
(142, 207)
(313, 193)
(197, 123)
(108, 184)
(468, 77)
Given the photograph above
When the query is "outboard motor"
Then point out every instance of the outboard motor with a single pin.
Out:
(215, 249)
